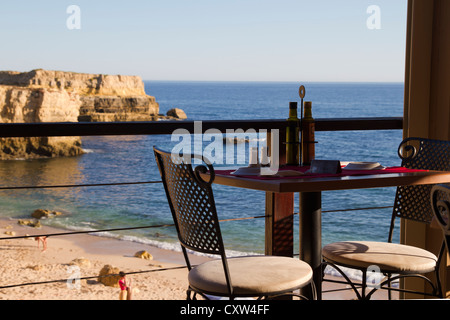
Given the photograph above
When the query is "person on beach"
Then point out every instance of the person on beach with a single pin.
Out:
(44, 242)
(125, 287)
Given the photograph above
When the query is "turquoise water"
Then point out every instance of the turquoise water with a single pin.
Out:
(119, 159)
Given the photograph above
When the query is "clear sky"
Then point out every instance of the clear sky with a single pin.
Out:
(230, 40)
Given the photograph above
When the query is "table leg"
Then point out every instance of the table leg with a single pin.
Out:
(310, 228)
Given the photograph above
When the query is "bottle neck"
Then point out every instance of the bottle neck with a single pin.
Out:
(308, 111)
(293, 111)
(293, 114)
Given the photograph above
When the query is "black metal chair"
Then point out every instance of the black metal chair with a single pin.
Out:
(193, 209)
(393, 260)
(440, 203)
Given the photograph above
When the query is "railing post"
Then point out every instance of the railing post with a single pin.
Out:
(279, 224)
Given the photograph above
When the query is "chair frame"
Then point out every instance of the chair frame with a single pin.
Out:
(440, 203)
(203, 241)
(413, 152)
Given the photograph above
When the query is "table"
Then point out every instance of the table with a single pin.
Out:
(310, 193)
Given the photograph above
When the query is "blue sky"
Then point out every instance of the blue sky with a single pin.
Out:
(209, 40)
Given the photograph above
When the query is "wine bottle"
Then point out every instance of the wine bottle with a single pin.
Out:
(292, 136)
(308, 128)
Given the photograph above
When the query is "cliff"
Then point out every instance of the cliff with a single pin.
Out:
(38, 105)
(57, 96)
(82, 83)
(102, 97)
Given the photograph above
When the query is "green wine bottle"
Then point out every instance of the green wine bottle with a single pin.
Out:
(292, 136)
(308, 140)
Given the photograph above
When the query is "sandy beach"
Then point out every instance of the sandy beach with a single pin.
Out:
(23, 262)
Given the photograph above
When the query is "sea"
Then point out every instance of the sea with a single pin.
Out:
(123, 159)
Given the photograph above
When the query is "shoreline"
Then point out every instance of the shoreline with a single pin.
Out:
(24, 262)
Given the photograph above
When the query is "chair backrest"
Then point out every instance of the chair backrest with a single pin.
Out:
(440, 202)
(413, 202)
(191, 201)
(192, 204)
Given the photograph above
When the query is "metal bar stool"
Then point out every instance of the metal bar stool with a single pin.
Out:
(394, 260)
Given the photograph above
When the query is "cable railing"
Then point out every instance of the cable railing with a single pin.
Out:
(162, 128)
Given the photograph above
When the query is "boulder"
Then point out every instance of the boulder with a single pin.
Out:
(109, 276)
(176, 113)
(42, 213)
(30, 223)
(80, 262)
(143, 255)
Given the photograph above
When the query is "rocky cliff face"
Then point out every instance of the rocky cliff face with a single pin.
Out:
(118, 108)
(56, 96)
(102, 97)
(38, 105)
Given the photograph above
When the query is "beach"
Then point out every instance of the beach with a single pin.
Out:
(29, 273)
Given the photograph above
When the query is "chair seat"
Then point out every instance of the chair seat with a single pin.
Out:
(251, 275)
(389, 257)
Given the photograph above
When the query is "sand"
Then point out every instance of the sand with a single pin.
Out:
(24, 262)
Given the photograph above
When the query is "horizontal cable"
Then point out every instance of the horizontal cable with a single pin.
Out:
(81, 232)
(356, 209)
(115, 229)
(245, 218)
(86, 278)
(79, 185)
(352, 209)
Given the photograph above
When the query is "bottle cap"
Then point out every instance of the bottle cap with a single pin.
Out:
(292, 105)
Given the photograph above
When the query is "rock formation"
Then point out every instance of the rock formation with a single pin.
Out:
(57, 96)
(21, 104)
(143, 255)
(101, 97)
(44, 213)
(109, 276)
(29, 223)
(176, 113)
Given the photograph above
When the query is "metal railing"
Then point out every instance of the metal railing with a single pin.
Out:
(55, 129)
